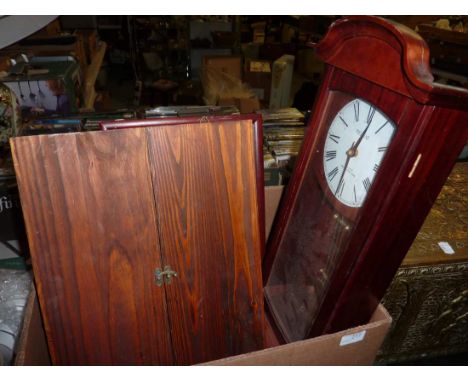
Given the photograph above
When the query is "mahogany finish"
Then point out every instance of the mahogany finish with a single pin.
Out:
(327, 268)
(104, 209)
(388, 54)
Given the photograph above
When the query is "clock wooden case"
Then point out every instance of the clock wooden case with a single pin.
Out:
(146, 242)
(381, 141)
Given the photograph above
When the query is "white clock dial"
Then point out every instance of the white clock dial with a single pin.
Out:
(355, 145)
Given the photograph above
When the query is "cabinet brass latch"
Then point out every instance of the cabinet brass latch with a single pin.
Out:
(159, 275)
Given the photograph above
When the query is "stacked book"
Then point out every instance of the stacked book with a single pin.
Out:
(54, 124)
(283, 132)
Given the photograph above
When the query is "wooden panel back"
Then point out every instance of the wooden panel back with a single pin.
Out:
(87, 201)
(205, 189)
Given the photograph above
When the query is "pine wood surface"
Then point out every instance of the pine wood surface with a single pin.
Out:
(204, 180)
(104, 209)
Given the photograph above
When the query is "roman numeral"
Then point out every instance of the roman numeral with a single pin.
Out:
(382, 149)
(367, 184)
(329, 155)
(355, 198)
(356, 110)
(333, 173)
(334, 138)
(381, 127)
(376, 167)
(342, 120)
(370, 115)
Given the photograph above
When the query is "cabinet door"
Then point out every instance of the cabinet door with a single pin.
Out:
(88, 206)
(205, 190)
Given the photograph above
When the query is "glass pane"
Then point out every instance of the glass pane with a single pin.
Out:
(349, 145)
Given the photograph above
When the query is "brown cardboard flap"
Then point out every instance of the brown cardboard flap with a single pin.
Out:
(272, 199)
(32, 346)
(324, 350)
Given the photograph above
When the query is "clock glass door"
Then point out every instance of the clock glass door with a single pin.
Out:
(341, 158)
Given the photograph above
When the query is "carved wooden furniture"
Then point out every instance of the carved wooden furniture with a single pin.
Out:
(428, 298)
(380, 144)
(146, 242)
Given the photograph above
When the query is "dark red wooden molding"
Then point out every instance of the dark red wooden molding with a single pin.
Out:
(365, 36)
(125, 124)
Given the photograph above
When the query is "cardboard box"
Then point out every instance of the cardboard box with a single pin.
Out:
(31, 349)
(352, 347)
(197, 55)
(231, 65)
(355, 346)
(272, 199)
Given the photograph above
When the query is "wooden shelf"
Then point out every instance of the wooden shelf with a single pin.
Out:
(91, 75)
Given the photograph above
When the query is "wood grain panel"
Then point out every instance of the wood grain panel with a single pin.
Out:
(87, 201)
(205, 189)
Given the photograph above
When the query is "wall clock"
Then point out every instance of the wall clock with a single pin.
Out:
(382, 139)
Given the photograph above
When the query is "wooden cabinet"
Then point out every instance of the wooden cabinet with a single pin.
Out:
(146, 242)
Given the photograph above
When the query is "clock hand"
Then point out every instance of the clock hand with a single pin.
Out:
(362, 136)
(349, 153)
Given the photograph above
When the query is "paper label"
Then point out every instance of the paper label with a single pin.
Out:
(352, 338)
(446, 247)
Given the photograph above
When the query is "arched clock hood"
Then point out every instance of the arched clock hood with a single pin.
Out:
(396, 49)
